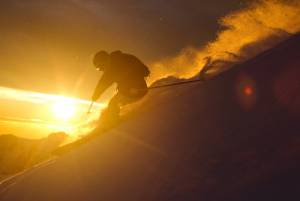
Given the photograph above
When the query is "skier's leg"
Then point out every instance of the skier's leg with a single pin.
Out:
(120, 100)
(114, 104)
(111, 113)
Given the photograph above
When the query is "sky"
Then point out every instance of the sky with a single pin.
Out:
(47, 47)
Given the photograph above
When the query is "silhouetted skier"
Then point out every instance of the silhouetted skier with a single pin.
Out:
(128, 72)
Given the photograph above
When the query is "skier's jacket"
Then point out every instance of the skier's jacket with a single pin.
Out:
(127, 71)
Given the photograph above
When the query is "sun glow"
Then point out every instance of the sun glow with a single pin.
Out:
(64, 110)
(24, 112)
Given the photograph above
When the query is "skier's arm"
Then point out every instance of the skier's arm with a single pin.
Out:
(103, 84)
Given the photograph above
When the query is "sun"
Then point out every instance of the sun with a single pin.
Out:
(63, 110)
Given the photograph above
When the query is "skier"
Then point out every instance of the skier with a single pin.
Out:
(128, 72)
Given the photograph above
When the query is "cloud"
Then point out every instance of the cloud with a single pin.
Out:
(30, 121)
(39, 98)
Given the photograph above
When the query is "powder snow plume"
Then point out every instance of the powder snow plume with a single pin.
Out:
(245, 33)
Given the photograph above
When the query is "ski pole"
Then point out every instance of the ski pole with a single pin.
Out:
(90, 108)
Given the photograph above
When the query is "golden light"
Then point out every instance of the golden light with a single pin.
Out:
(41, 113)
(64, 110)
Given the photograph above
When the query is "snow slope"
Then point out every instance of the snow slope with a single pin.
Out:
(234, 137)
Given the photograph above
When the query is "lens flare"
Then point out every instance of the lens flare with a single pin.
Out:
(248, 90)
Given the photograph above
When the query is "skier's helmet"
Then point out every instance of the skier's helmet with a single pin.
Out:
(100, 60)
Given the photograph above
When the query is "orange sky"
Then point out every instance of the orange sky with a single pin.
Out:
(47, 47)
